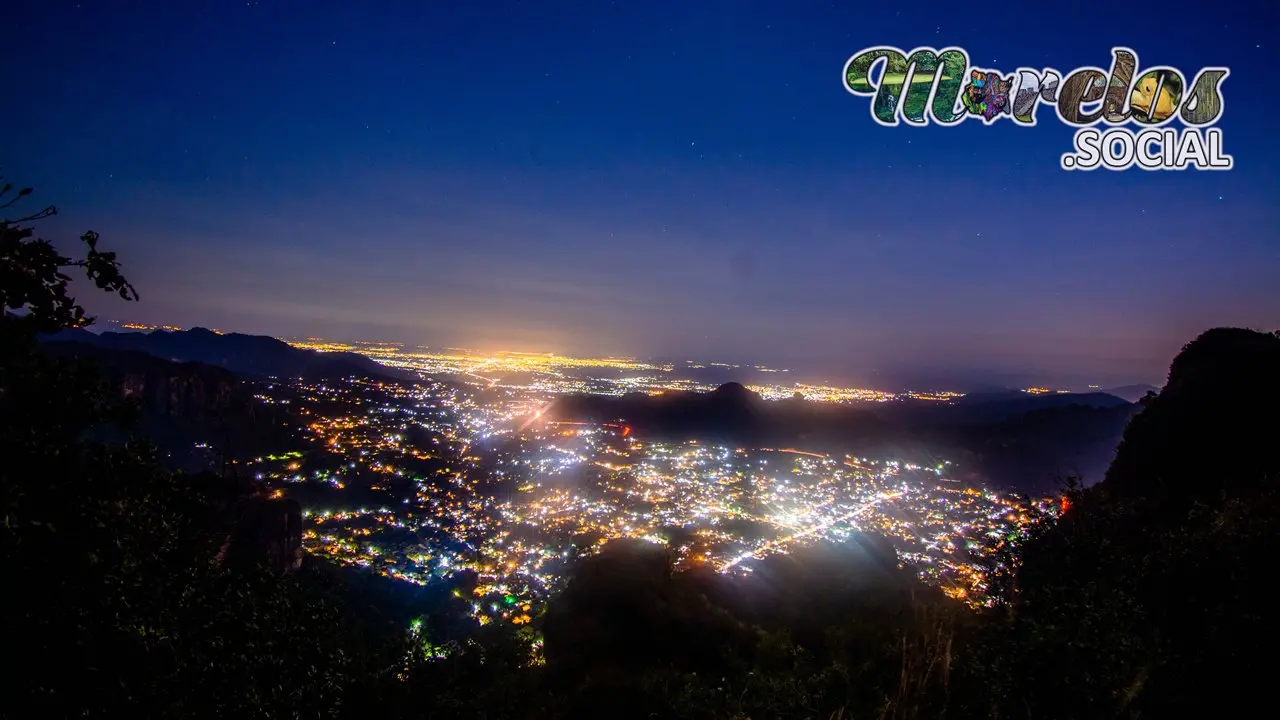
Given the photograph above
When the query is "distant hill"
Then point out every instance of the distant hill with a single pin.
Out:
(1024, 443)
(989, 407)
(1033, 452)
(251, 355)
(1132, 393)
(730, 414)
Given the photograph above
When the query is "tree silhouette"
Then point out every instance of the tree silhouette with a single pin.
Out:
(32, 277)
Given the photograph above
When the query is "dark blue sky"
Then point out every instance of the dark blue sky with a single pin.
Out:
(684, 178)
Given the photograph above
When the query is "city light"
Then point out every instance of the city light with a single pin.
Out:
(475, 480)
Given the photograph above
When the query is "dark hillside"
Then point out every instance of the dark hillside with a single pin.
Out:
(1154, 594)
(250, 355)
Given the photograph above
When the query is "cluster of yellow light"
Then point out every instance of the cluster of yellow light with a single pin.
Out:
(148, 328)
(468, 361)
(560, 374)
(822, 393)
(935, 396)
(1044, 391)
(322, 345)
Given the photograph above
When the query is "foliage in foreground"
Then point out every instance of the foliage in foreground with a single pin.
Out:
(113, 599)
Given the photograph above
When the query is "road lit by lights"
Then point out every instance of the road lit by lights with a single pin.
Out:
(477, 481)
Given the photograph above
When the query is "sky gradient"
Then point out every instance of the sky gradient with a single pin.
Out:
(675, 179)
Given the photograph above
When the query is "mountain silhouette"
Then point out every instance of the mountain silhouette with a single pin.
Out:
(731, 413)
(250, 355)
(1020, 442)
(1132, 393)
(990, 407)
(1162, 572)
(1212, 430)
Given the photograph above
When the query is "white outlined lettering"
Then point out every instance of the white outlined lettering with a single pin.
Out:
(1149, 101)
(1120, 148)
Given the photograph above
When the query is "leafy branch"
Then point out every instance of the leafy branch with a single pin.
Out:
(32, 271)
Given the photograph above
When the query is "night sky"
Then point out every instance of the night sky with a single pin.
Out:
(683, 179)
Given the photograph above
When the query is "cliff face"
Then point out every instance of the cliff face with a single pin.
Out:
(196, 414)
(161, 386)
(185, 392)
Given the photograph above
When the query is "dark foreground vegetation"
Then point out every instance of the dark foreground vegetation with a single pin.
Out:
(130, 590)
